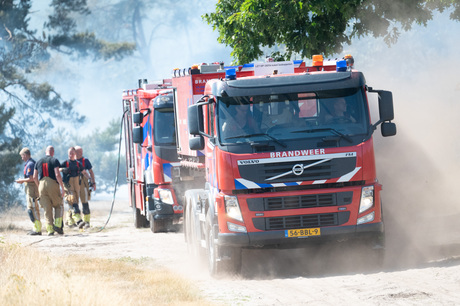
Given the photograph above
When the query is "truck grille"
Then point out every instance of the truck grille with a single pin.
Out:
(301, 201)
(303, 221)
(283, 171)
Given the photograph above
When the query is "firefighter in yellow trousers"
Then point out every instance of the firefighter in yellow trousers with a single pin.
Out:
(51, 190)
(86, 186)
(31, 190)
(72, 169)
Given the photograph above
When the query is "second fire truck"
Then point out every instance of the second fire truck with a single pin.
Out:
(151, 156)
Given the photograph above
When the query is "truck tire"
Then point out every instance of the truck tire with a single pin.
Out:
(221, 259)
(193, 234)
(374, 250)
(139, 219)
(157, 226)
(186, 224)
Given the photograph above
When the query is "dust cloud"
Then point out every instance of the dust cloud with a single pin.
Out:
(419, 167)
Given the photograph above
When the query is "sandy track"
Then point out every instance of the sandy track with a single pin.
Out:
(427, 274)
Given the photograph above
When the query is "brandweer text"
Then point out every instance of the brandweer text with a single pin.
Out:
(297, 153)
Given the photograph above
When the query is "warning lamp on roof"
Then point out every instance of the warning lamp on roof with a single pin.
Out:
(176, 72)
(317, 60)
(230, 74)
(341, 65)
(350, 60)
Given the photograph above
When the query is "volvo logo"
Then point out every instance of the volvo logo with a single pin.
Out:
(297, 169)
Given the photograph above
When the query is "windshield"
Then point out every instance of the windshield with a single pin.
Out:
(292, 116)
(164, 129)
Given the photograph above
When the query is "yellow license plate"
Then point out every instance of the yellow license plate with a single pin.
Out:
(304, 232)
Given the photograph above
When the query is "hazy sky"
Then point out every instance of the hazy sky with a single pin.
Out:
(98, 95)
(416, 51)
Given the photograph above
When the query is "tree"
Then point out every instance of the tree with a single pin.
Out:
(9, 160)
(36, 105)
(315, 27)
(101, 148)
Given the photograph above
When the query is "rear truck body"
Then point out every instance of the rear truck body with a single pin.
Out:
(151, 156)
(296, 169)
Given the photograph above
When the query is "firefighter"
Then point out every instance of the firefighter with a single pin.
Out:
(340, 112)
(73, 168)
(50, 190)
(31, 192)
(86, 186)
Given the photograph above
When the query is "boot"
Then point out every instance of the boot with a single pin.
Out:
(37, 227)
(58, 230)
(80, 224)
(50, 229)
(70, 221)
(58, 226)
(87, 218)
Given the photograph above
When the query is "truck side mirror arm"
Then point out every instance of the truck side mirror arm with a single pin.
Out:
(386, 112)
(195, 118)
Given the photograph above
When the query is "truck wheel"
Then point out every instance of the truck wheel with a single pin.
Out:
(375, 254)
(221, 259)
(186, 225)
(193, 234)
(138, 218)
(156, 226)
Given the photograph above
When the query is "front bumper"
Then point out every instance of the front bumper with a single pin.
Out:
(162, 211)
(277, 239)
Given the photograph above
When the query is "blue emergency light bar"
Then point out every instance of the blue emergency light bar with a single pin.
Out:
(230, 74)
(341, 65)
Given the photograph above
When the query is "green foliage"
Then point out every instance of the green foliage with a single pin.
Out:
(9, 161)
(315, 27)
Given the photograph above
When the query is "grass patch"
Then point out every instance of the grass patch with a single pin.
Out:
(10, 218)
(30, 277)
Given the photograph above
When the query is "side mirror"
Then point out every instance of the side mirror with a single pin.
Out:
(388, 129)
(138, 117)
(138, 134)
(386, 105)
(196, 143)
(195, 119)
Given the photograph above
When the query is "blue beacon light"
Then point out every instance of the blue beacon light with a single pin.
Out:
(230, 74)
(341, 65)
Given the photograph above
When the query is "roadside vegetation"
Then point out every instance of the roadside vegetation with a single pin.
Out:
(30, 277)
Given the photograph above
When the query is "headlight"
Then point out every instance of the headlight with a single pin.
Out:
(365, 219)
(166, 196)
(367, 198)
(233, 208)
(236, 227)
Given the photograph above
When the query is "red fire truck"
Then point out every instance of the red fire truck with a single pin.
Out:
(283, 156)
(151, 156)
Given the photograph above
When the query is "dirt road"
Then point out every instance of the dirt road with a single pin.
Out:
(330, 276)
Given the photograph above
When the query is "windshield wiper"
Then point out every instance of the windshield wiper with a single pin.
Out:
(259, 134)
(342, 135)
